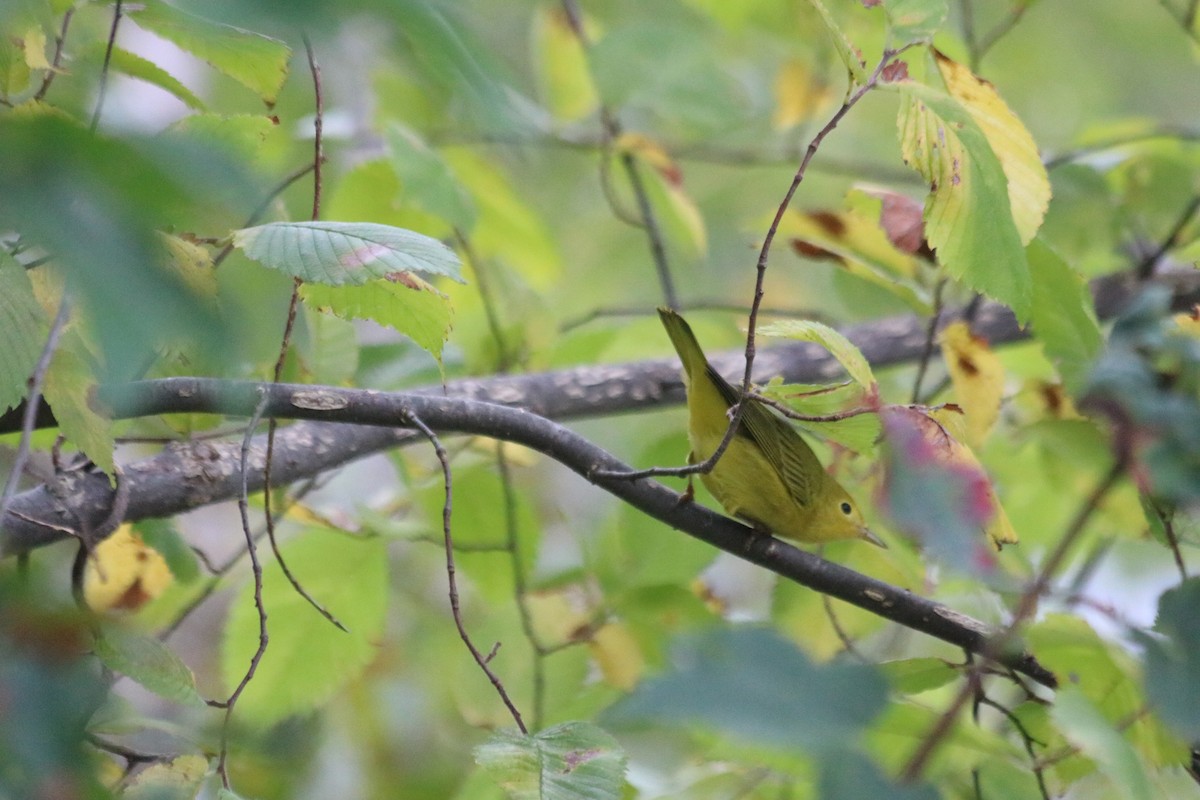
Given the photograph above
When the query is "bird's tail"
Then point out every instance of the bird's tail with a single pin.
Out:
(685, 342)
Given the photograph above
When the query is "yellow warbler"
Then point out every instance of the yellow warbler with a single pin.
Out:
(768, 475)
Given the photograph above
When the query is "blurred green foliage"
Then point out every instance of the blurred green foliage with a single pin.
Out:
(491, 127)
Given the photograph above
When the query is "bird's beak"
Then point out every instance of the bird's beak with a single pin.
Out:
(867, 534)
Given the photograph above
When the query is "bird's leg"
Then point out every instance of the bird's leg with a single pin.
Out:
(689, 494)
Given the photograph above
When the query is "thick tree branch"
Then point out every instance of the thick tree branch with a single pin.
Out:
(189, 475)
(213, 474)
(599, 390)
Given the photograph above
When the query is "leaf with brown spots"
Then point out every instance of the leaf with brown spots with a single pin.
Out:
(977, 376)
(1028, 183)
(571, 761)
(968, 218)
(855, 241)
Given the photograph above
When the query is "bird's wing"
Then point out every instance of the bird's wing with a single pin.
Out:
(791, 457)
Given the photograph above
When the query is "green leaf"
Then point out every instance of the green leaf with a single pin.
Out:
(508, 229)
(851, 56)
(243, 134)
(1062, 316)
(1009, 139)
(1089, 730)
(258, 62)
(465, 73)
(859, 433)
(634, 550)
(69, 384)
(1064, 643)
(178, 779)
(563, 73)
(916, 675)
(327, 346)
(339, 253)
(571, 761)
(915, 20)
(423, 314)
(94, 204)
(968, 218)
(838, 345)
(426, 181)
(15, 76)
(852, 776)
(479, 527)
(752, 684)
(308, 659)
(25, 329)
(856, 241)
(1173, 659)
(163, 536)
(149, 662)
(135, 66)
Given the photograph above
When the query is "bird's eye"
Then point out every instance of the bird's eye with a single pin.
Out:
(846, 508)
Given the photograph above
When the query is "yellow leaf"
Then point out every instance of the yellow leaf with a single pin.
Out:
(191, 262)
(69, 389)
(178, 778)
(952, 452)
(566, 81)
(649, 151)
(35, 48)
(859, 245)
(124, 573)
(617, 654)
(1028, 183)
(681, 214)
(516, 455)
(799, 94)
(1189, 322)
(978, 378)
(688, 215)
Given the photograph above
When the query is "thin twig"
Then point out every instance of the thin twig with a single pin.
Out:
(1161, 132)
(1066, 752)
(930, 337)
(699, 152)
(843, 636)
(483, 279)
(56, 60)
(318, 127)
(1147, 265)
(217, 571)
(1026, 738)
(1168, 523)
(256, 570)
(505, 361)
(263, 206)
(998, 32)
(654, 236)
(284, 346)
(694, 305)
(646, 218)
(108, 50)
(792, 413)
(737, 410)
(521, 586)
(1025, 608)
(32, 402)
(451, 573)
